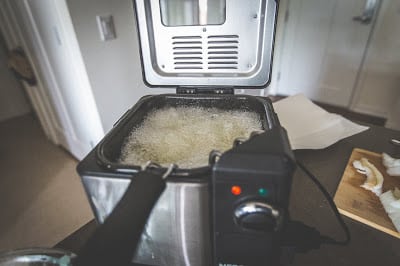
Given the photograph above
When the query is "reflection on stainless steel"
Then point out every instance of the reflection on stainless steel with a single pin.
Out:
(255, 133)
(37, 256)
(177, 232)
(255, 207)
(192, 12)
(239, 141)
(395, 142)
(368, 12)
(104, 194)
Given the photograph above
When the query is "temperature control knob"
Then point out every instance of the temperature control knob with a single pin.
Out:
(259, 216)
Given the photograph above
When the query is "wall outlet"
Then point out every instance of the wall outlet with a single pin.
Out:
(106, 27)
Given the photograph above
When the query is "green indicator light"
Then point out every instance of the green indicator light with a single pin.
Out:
(262, 192)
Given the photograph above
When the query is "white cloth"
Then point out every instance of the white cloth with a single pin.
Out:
(311, 127)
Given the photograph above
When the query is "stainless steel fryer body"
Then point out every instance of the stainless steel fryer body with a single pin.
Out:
(178, 229)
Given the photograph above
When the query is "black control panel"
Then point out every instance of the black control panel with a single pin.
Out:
(251, 185)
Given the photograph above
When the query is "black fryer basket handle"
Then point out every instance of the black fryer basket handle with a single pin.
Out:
(116, 240)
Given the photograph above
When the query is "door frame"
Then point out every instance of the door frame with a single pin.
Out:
(50, 105)
(13, 37)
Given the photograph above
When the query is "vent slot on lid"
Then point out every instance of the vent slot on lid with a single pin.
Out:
(186, 37)
(188, 63)
(187, 53)
(196, 42)
(187, 47)
(222, 57)
(223, 37)
(188, 67)
(223, 52)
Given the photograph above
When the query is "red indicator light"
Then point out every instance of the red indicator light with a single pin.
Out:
(236, 190)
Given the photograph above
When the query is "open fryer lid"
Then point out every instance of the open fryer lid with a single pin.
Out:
(206, 43)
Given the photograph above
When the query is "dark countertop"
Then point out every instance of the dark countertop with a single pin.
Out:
(307, 204)
(368, 246)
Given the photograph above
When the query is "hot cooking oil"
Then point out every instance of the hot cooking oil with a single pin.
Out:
(186, 135)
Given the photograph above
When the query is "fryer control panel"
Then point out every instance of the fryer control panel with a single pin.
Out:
(245, 220)
(250, 197)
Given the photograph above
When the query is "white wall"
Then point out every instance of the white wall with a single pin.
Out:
(12, 98)
(113, 66)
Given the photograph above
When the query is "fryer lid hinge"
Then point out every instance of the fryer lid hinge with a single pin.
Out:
(189, 90)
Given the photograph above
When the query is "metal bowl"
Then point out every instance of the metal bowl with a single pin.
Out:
(36, 257)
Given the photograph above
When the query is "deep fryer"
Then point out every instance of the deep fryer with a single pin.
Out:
(199, 219)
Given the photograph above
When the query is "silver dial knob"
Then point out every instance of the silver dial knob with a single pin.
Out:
(259, 216)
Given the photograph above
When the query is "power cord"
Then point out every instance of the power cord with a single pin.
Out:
(303, 238)
(328, 240)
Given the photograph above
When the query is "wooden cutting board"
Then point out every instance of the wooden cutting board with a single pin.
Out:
(360, 204)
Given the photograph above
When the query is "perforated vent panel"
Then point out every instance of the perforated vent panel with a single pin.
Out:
(219, 52)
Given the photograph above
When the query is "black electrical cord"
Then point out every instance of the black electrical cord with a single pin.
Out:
(325, 239)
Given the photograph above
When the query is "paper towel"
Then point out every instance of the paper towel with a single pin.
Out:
(311, 127)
